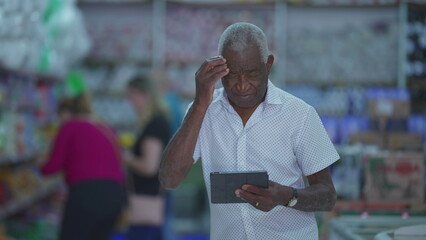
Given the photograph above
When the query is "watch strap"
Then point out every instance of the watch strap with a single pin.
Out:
(294, 196)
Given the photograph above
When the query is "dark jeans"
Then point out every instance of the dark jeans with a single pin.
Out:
(145, 233)
(91, 210)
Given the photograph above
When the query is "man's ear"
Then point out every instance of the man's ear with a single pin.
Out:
(269, 63)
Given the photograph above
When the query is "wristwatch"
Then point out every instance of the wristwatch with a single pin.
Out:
(293, 200)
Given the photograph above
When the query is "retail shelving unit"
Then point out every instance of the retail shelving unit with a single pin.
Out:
(358, 228)
(415, 47)
(5, 160)
(27, 115)
(16, 206)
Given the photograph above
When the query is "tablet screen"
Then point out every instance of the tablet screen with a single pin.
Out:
(224, 184)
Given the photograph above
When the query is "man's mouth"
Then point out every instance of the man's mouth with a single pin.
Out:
(244, 96)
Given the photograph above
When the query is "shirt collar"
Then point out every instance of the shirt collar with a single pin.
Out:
(272, 95)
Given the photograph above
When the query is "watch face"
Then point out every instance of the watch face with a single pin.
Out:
(292, 202)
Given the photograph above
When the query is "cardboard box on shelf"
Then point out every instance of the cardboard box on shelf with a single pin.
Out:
(395, 177)
(387, 108)
(389, 125)
(369, 138)
(404, 141)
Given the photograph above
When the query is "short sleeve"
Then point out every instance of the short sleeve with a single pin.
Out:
(314, 150)
(197, 151)
(159, 128)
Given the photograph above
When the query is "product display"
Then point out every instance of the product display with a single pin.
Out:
(28, 103)
(355, 227)
(41, 36)
(415, 45)
(128, 37)
(26, 113)
(356, 49)
(193, 30)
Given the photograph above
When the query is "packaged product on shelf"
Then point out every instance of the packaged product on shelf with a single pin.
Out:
(124, 38)
(417, 124)
(347, 173)
(22, 182)
(3, 233)
(416, 43)
(395, 177)
(388, 103)
(47, 101)
(405, 141)
(357, 101)
(19, 133)
(7, 178)
(389, 125)
(30, 229)
(190, 29)
(40, 35)
(30, 104)
(349, 125)
(5, 192)
(9, 145)
(369, 138)
(331, 125)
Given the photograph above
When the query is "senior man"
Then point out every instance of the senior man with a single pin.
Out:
(250, 124)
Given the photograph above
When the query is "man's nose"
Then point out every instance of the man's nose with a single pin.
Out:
(242, 85)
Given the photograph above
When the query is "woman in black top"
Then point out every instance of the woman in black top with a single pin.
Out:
(147, 199)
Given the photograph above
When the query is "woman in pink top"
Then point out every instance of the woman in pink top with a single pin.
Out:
(87, 152)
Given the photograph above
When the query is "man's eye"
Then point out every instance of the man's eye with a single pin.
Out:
(231, 75)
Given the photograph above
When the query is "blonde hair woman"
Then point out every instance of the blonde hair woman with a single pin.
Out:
(147, 199)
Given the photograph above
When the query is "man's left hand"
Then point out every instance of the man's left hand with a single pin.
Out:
(265, 199)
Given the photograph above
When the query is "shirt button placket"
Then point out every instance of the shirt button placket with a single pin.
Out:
(241, 152)
(242, 166)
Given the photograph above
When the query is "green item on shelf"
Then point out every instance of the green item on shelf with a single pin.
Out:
(40, 229)
(44, 60)
(51, 8)
(75, 83)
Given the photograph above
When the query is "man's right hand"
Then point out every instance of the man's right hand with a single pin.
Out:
(206, 77)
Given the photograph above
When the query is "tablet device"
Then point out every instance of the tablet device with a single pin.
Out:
(224, 184)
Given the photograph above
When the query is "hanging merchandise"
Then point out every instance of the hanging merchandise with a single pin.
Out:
(41, 36)
(75, 83)
(66, 38)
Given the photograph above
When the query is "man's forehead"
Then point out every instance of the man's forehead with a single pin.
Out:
(248, 48)
(247, 57)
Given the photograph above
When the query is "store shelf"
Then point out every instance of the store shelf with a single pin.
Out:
(354, 3)
(15, 206)
(348, 84)
(109, 93)
(357, 228)
(117, 61)
(113, 1)
(417, 83)
(38, 77)
(221, 4)
(8, 160)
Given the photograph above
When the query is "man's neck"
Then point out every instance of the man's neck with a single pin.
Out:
(245, 113)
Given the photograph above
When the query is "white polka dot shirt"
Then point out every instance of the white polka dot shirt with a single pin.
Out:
(285, 137)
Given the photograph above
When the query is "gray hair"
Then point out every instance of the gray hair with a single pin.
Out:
(239, 36)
